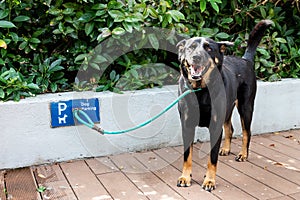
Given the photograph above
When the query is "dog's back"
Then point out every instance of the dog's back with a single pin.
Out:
(240, 71)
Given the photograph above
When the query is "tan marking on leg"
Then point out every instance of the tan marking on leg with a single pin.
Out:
(243, 155)
(225, 150)
(209, 182)
(185, 179)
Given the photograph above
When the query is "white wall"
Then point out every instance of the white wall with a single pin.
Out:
(28, 139)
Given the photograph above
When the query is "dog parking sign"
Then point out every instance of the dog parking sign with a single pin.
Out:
(62, 111)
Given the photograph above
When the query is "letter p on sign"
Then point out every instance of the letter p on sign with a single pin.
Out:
(61, 107)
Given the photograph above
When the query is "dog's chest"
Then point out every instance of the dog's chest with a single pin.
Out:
(204, 100)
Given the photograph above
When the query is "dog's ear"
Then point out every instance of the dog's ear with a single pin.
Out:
(180, 47)
(223, 45)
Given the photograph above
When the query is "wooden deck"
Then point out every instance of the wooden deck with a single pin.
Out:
(272, 172)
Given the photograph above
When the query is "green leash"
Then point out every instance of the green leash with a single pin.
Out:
(89, 123)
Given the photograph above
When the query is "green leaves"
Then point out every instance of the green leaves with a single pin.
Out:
(44, 42)
(21, 18)
(222, 35)
(89, 27)
(213, 3)
(4, 13)
(153, 41)
(176, 15)
(202, 5)
(118, 31)
(14, 86)
(6, 24)
(117, 15)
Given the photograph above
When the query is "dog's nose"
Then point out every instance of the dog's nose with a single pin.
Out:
(197, 58)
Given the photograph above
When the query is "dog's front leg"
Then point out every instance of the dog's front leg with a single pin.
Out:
(209, 182)
(188, 137)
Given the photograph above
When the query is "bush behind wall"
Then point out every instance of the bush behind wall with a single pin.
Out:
(43, 44)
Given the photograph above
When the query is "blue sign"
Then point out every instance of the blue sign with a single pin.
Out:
(62, 111)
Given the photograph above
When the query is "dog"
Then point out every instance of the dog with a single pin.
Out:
(225, 82)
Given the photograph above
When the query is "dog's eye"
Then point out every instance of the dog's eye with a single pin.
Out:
(193, 46)
(206, 46)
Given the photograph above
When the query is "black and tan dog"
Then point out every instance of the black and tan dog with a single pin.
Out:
(226, 81)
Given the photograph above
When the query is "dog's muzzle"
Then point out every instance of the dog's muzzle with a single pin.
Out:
(196, 73)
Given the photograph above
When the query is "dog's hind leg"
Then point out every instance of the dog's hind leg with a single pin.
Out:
(243, 155)
(245, 109)
(228, 129)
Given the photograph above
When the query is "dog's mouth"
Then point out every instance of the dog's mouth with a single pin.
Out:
(196, 72)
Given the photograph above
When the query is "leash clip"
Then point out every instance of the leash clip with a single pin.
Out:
(98, 129)
(87, 122)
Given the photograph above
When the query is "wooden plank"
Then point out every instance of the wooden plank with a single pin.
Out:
(144, 179)
(169, 154)
(120, 187)
(283, 198)
(151, 161)
(51, 177)
(246, 183)
(289, 138)
(149, 183)
(279, 147)
(243, 181)
(267, 178)
(2, 185)
(20, 185)
(101, 165)
(279, 158)
(295, 196)
(128, 163)
(84, 183)
(269, 165)
(153, 187)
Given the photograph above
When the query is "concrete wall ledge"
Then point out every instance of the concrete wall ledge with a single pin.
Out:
(28, 139)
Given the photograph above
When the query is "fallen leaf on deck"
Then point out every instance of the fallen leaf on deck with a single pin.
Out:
(41, 189)
(41, 176)
(152, 158)
(278, 164)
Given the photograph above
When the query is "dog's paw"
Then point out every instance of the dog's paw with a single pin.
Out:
(241, 157)
(209, 184)
(224, 152)
(184, 181)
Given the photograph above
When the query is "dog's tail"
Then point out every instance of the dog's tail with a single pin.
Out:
(255, 38)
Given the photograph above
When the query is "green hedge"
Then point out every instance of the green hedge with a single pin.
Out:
(43, 44)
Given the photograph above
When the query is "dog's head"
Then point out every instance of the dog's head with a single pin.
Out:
(198, 57)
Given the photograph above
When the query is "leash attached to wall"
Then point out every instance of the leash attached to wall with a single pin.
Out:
(89, 123)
